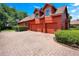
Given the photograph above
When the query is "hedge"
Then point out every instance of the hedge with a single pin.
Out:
(69, 37)
(20, 28)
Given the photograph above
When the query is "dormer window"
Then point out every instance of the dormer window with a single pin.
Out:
(37, 15)
(48, 12)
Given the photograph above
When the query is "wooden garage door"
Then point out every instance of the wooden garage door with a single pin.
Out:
(33, 27)
(39, 27)
(36, 27)
(51, 27)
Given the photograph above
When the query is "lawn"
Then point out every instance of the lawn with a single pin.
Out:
(8, 30)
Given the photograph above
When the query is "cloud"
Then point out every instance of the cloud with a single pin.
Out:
(74, 17)
(68, 7)
(37, 7)
(74, 10)
(76, 4)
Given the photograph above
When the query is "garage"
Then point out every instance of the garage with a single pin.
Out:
(39, 27)
(51, 27)
(33, 27)
(36, 27)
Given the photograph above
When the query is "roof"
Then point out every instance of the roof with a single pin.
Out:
(36, 9)
(75, 22)
(47, 4)
(27, 18)
(58, 11)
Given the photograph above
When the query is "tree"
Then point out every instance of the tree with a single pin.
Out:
(69, 19)
(20, 15)
(9, 15)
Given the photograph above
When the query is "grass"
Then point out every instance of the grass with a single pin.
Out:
(9, 30)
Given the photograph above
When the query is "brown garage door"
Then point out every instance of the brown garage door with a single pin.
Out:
(36, 27)
(51, 27)
(39, 27)
(33, 27)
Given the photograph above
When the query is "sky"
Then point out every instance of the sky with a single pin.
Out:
(73, 8)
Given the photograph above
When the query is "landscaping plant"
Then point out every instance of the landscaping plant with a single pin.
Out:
(69, 37)
(20, 28)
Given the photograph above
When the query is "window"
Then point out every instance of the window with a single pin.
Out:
(25, 24)
(36, 15)
(48, 12)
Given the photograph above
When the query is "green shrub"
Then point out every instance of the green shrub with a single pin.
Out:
(74, 27)
(0, 28)
(20, 28)
(68, 36)
(77, 28)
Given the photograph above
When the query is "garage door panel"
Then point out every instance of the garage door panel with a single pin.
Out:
(33, 27)
(39, 27)
(51, 27)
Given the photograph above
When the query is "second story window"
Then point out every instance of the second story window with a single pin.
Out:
(37, 15)
(47, 13)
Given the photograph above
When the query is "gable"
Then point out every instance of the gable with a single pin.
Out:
(36, 10)
(49, 6)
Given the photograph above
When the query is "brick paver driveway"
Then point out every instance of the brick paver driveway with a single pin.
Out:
(32, 43)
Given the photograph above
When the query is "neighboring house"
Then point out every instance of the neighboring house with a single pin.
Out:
(48, 19)
(75, 23)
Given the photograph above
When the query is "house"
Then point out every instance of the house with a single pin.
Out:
(74, 23)
(48, 19)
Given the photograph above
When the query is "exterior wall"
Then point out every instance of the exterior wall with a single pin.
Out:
(53, 23)
(48, 24)
(42, 20)
(49, 19)
(58, 21)
(65, 23)
(37, 21)
(38, 25)
(22, 23)
(32, 24)
(49, 6)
